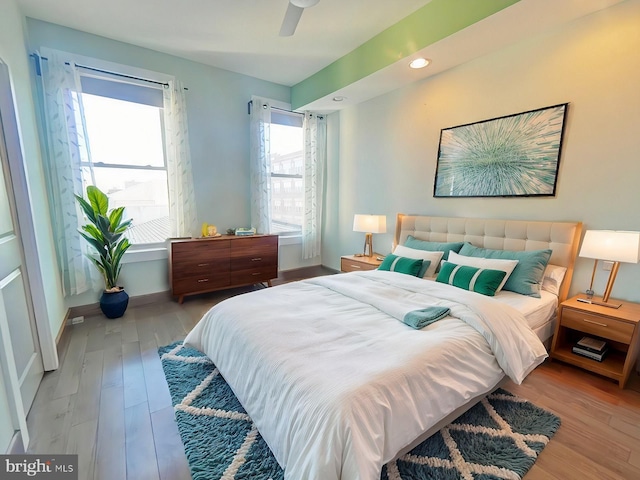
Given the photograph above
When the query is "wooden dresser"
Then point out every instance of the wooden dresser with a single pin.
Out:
(199, 265)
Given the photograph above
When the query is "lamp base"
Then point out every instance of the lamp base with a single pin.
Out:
(368, 245)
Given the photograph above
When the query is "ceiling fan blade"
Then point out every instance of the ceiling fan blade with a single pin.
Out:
(291, 19)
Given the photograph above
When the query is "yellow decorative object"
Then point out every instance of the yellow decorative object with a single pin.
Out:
(212, 231)
(204, 229)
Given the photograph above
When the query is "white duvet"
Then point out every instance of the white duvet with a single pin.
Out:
(337, 384)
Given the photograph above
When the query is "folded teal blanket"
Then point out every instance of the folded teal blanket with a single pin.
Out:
(425, 316)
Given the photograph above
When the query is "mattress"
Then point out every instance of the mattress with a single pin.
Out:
(334, 381)
(539, 313)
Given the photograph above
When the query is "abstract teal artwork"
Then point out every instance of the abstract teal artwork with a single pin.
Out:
(515, 155)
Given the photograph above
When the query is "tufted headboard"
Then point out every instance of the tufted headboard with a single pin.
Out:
(563, 238)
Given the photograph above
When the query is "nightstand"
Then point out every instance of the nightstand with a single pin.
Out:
(617, 326)
(353, 263)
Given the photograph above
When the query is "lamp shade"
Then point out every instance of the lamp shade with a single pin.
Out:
(611, 246)
(370, 223)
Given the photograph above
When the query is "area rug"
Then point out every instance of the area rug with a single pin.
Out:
(499, 438)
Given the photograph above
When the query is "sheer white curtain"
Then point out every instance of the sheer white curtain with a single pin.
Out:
(315, 157)
(260, 164)
(66, 145)
(182, 203)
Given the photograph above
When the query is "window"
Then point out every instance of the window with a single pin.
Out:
(287, 169)
(125, 133)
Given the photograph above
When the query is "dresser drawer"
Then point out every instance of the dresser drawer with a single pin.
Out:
(199, 258)
(254, 246)
(203, 283)
(199, 250)
(194, 267)
(347, 265)
(598, 325)
(256, 261)
(255, 275)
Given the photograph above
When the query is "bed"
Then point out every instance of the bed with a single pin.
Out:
(338, 386)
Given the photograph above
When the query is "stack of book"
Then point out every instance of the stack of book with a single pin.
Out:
(245, 231)
(591, 348)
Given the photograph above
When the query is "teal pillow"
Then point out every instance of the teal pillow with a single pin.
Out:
(410, 266)
(479, 280)
(526, 278)
(446, 247)
(424, 268)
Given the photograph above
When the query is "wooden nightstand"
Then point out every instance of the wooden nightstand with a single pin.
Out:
(618, 327)
(351, 263)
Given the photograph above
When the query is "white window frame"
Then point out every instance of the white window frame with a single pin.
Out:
(137, 252)
(288, 238)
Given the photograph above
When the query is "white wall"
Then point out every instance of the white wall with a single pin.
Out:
(388, 146)
(14, 53)
(218, 133)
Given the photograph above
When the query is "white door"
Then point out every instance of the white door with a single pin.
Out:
(20, 356)
(7, 426)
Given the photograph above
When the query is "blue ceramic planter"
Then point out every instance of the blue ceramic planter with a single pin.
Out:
(114, 304)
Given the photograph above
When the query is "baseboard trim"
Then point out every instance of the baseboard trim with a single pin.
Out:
(65, 321)
(137, 301)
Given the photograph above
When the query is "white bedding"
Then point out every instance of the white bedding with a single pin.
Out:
(536, 311)
(337, 385)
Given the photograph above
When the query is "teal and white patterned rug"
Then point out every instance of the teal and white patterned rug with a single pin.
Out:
(499, 438)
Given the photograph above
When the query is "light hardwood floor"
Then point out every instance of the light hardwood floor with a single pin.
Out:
(109, 402)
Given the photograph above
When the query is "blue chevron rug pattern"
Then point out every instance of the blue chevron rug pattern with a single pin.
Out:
(499, 438)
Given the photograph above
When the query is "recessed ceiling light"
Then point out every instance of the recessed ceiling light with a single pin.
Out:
(419, 63)
(339, 98)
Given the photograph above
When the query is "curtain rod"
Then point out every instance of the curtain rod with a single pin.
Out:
(250, 103)
(36, 56)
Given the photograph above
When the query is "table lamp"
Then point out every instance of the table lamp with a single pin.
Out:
(369, 224)
(610, 246)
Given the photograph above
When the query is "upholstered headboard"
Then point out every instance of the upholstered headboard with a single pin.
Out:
(562, 238)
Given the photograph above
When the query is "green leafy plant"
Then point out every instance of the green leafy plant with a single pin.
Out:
(105, 234)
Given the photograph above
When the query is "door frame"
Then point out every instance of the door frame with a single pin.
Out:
(22, 198)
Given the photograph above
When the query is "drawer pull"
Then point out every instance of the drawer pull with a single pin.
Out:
(255, 273)
(203, 264)
(356, 266)
(203, 280)
(595, 323)
(257, 259)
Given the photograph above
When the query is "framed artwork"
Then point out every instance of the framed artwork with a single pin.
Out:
(512, 156)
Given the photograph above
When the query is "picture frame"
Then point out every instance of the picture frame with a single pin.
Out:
(515, 155)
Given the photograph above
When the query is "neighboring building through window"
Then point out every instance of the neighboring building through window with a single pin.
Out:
(287, 170)
(125, 133)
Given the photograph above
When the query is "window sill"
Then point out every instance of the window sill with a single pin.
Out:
(289, 240)
(146, 253)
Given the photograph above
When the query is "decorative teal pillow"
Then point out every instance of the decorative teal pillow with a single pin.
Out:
(479, 280)
(445, 247)
(526, 278)
(424, 268)
(410, 266)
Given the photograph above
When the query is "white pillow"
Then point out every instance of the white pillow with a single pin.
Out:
(414, 253)
(552, 278)
(506, 266)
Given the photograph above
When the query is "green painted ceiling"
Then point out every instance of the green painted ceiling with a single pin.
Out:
(436, 20)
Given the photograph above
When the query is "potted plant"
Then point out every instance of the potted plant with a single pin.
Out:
(105, 234)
